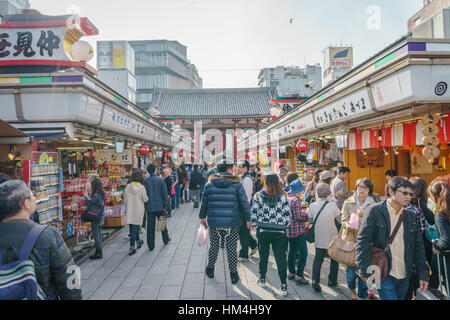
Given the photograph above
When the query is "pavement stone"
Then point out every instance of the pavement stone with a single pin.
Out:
(177, 271)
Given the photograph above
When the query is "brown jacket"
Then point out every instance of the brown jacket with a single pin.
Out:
(348, 208)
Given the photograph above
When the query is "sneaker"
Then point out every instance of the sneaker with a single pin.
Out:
(240, 259)
(254, 251)
(332, 284)
(140, 243)
(234, 276)
(261, 282)
(301, 280)
(284, 290)
(371, 295)
(128, 237)
(142, 231)
(132, 251)
(210, 273)
(291, 276)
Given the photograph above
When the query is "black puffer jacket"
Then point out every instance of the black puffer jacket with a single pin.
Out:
(375, 231)
(225, 202)
(196, 180)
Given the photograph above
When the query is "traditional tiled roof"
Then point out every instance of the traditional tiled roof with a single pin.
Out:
(215, 103)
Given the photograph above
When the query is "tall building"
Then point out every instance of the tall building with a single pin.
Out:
(432, 21)
(292, 80)
(115, 64)
(8, 7)
(162, 64)
(337, 62)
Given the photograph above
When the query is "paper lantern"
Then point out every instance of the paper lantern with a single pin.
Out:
(430, 141)
(269, 152)
(302, 145)
(180, 154)
(430, 119)
(168, 155)
(82, 51)
(144, 150)
(431, 152)
(430, 129)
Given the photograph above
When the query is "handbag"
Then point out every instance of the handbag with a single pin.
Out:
(379, 256)
(310, 230)
(431, 232)
(342, 251)
(93, 213)
(162, 222)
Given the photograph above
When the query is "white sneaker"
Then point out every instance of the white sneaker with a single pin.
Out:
(284, 290)
(261, 282)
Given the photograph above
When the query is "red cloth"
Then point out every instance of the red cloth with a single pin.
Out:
(409, 134)
(444, 132)
(374, 138)
(386, 137)
(358, 140)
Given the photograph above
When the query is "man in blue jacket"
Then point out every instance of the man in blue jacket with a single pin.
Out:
(224, 209)
(156, 206)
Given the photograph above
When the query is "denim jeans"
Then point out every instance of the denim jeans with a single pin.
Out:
(134, 234)
(297, 246)
(351, 283)
(246, 240)
(393, 289)
(317, 267)
(97, 234)
(278, 241)
(177, 195)
(173, 200)
(195, 195)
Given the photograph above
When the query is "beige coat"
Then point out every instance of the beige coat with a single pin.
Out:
(135, 199)
(348, 208)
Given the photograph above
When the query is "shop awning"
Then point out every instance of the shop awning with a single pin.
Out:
(11, 135)
(47, 130)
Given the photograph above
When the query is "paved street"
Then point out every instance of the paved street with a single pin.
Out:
(176, 271)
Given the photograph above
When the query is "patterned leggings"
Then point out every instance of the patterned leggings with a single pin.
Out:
(230, 235)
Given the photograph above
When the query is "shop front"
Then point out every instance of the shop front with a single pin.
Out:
(374, 118)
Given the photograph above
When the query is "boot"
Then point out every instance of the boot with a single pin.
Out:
(97, 255)
(234, 277)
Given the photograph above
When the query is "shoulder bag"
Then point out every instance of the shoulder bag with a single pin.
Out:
(310, 230)
(342, 251)
(379, 256)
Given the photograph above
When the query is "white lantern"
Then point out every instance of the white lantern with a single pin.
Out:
(82, 51)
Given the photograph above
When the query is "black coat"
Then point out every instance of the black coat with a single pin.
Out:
(375, 230)
(443, 229)
(196, 180)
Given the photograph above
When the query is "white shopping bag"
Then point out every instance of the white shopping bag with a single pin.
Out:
(202, 235)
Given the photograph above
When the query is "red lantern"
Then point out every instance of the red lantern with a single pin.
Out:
(302, 145)
(168, 155)
(180, 154)
(93, 154)
(144, 150)
(269, 152)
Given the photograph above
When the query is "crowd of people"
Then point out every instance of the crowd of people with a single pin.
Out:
(409, 225)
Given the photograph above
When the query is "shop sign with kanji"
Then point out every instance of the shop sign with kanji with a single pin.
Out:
(33, 44)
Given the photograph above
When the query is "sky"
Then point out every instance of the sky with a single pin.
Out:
(229, 41)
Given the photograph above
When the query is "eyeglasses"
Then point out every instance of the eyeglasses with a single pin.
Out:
(363, 187)
(406, 194)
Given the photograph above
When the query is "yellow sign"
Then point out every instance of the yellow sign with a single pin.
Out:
(44, 159)
(119, 55)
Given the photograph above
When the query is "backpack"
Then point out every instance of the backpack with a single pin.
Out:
(18, 279)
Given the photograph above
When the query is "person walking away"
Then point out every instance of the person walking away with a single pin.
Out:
(271, 213)
(97, 201)
(194, 185)
(356, 204)
(182, 176)
(223, 201)
(296, 234)
(259, 183)
(311, 187)
(406, 247)
(167, 176)
(326, 212)
(176, 184)
(440, 194)
(156, 206)
(135, 199)
(51, 258)
(245, 238)
(338, 187)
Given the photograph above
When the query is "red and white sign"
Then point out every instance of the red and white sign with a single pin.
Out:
(144, 150)
(302, 145)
